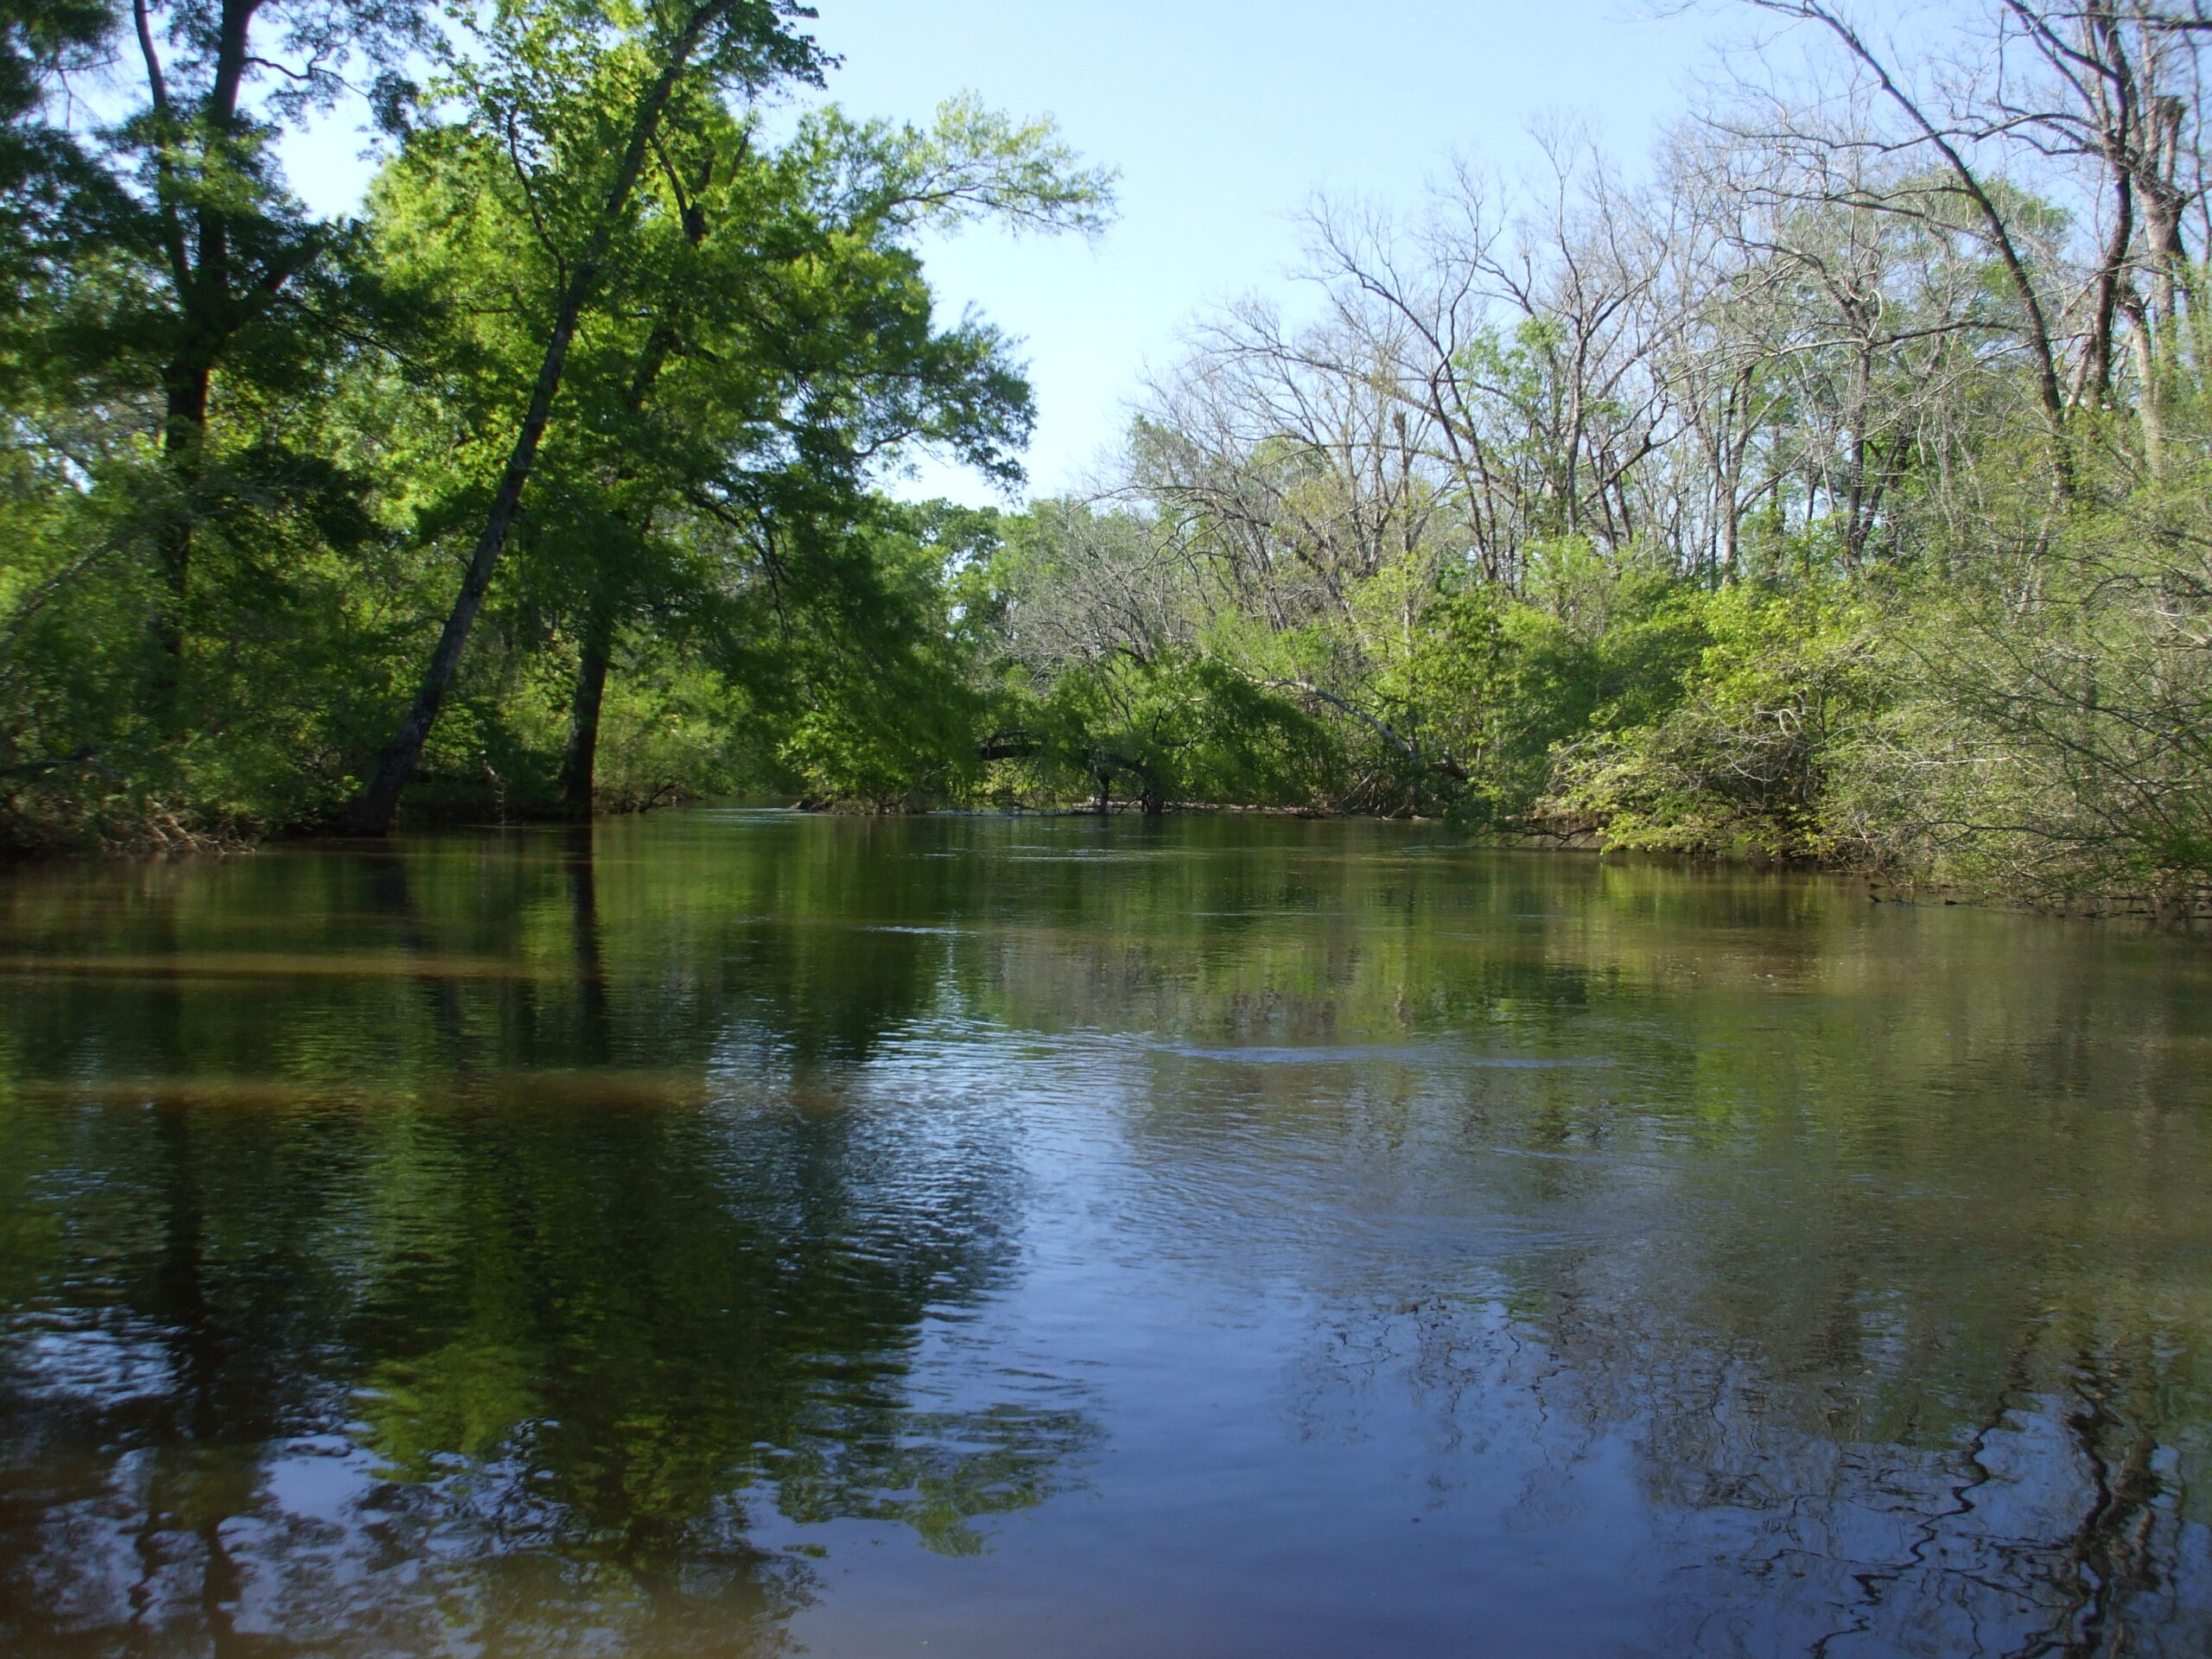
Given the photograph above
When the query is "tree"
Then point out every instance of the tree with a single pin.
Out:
(241, 278)
(762, 348)
(788, 354)
(577, 99)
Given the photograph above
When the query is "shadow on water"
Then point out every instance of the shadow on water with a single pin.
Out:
(732, 1232)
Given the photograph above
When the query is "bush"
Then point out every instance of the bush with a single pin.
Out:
(1747, 758)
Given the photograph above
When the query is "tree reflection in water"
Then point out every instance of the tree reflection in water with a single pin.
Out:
(540, 1244)
(483, 1342)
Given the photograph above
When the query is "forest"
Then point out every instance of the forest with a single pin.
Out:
(1833, 484)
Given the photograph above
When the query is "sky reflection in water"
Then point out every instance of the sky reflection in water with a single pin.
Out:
(734, 1233)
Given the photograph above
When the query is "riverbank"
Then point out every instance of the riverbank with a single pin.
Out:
(2186, 910)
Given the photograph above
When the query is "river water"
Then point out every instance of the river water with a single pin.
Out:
(732, 1233)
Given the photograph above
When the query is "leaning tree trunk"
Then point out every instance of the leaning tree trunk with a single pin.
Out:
(372, 812)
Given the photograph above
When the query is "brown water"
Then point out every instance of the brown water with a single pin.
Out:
(739, 1234)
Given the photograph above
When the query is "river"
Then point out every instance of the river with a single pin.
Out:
(733, 1233)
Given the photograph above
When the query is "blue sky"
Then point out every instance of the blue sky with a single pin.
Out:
(1224, 116)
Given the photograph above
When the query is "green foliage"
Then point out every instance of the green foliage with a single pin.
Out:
(1175, 728)
(888, 718)
(217, 586)
(2052, 733)
(563, 465)
(1742, 758)
(1495, 684)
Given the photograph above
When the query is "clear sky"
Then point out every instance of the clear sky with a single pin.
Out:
(1224, 116)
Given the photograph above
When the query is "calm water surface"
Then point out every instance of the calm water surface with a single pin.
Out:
(735, 1234)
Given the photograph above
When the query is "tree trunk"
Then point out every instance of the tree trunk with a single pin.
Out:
(2148, 411)
(580, 762)
(373, 811)
(184, 426)
(579, 766)
(200, 278)
(2105, 310)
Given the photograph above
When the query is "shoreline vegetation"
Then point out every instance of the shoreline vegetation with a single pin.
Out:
(1830, 486)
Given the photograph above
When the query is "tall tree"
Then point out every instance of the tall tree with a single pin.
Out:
(577, 96)
(788, 352)
(231, 255)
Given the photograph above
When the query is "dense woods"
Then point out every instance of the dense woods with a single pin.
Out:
(1832, 483)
